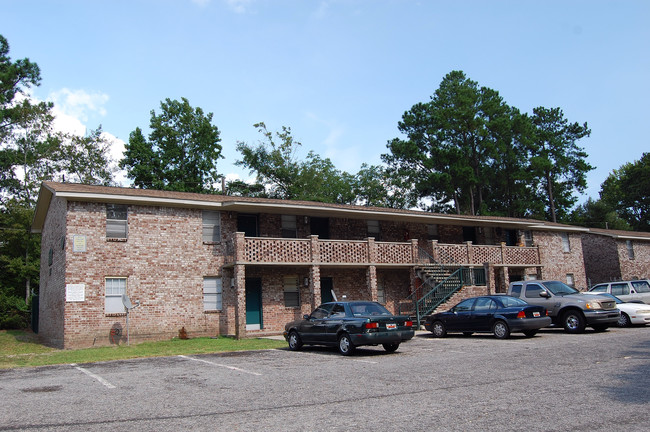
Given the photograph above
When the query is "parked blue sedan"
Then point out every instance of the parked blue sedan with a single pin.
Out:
(498, 314)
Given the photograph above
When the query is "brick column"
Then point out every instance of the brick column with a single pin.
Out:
(372, 250)
(433, 247)
(489, 278)
(240, 300)
(415, 251)
(371, 278)
(470, 257)
(314, 286)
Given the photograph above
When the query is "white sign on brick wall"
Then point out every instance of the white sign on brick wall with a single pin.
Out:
(79, 243)
(75, 292)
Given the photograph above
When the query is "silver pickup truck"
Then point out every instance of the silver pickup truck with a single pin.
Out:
(567, 306)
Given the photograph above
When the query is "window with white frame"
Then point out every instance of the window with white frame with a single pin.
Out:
(211, 226)
(630, 249)
(116, 221)
(212, 289)
(373, 229)
(291, 291)
(289, 227)
(570, 280)
(566, 245)
(115, 288)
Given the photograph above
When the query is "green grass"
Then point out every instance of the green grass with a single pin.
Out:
(21, 349)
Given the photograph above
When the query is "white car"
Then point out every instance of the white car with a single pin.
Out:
(631, 313)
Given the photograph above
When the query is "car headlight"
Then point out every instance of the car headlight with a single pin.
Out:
(642, 311)
(593, 305)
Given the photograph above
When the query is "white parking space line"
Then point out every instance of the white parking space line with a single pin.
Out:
(222, 365)
(365, 361)
(90, 374)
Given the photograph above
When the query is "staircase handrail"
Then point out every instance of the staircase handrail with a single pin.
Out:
(419, 301)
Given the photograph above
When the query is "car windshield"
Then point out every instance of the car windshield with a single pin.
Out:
(369, 308)
(559, 288)
(508, 301)
(641, 286)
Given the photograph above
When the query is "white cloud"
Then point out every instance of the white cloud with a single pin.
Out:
(239, 6)
(79, 103)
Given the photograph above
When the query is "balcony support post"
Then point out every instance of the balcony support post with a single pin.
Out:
(240, 300)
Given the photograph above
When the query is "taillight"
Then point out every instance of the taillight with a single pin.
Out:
(408, 323)
(372, 325)
(521, 314)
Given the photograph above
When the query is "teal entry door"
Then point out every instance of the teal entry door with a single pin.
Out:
(253, 303)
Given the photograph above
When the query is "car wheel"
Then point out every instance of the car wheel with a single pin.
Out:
(530, 333)
(295, 343)
(345, 345)
(573, 322)
(390, 347)
(501, 330)
(438, 329)
(624, 320)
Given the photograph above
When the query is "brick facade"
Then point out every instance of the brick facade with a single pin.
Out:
(607, 258)
(164, 261)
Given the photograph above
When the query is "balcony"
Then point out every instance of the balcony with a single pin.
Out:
(313, 251)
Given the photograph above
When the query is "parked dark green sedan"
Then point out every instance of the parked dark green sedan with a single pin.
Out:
(349, 324)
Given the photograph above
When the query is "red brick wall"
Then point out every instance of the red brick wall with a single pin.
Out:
(557, 263)
(601, 258)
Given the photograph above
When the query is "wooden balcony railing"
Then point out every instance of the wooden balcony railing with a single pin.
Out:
(313, 251)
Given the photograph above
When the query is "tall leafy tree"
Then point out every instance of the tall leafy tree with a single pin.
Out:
(275, 162)
(558, 164)
(627, 190)
(180, 153)
(450, 142)
(597, 214)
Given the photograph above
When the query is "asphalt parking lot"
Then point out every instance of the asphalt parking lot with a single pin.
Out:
(554, 381)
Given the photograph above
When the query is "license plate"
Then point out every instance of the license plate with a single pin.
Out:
(536, 314)
(391, 326)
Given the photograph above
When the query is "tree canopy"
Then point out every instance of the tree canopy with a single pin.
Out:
(627, 190)
(181, 152)
(469, 152)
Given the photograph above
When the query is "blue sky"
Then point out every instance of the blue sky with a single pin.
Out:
(339, 73)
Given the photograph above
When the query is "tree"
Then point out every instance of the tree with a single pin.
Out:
(275, 163)
(373, 186)
(450, 144)
(181, 152)
(627, 190)
(597, 214)
(558, 165)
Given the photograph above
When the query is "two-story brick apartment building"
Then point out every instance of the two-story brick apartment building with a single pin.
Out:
(226, 265)
(616, 255)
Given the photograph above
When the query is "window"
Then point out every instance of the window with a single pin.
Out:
(630, 249)
(211, 226)
(599, 288)
(115, 288)
(484, 304)
(322, 311)
(212, 293)
(289, 229)
(515, 291)
(465, 305)
(570, 280)
(432, 232)
(528, 238)
(566, 245)
(620, 289)
(116, 221)
(373, 229)
(533, 291)
(338, 311)
(641, 286)
(291, 291)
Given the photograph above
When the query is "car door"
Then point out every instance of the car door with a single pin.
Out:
(312, 329)
(333, 322)
(642, 290)
(482, 314)
(622, 291)
(460, 316)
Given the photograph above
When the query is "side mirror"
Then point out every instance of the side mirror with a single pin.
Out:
(544, 294)
(306, 317)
